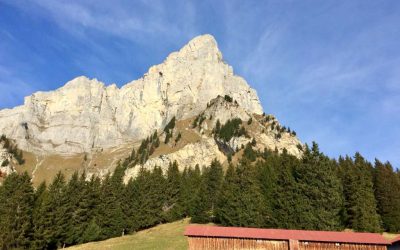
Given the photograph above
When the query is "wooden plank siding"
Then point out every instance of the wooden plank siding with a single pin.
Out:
(214, 243)
(340, 246)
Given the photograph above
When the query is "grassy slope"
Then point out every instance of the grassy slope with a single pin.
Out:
(166, 236)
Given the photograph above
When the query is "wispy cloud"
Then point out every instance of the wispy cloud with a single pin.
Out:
(328, 70)
(136, 21)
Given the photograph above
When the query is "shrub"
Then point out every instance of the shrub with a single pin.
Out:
(228, 98)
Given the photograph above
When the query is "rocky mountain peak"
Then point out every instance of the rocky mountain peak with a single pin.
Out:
(202, 47)
(85, 115)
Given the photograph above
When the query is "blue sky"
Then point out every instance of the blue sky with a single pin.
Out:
(328, 69)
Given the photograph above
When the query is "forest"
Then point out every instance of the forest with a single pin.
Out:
(265, 189)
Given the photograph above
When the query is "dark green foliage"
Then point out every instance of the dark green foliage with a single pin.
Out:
(91, 233)
(360, 210)
(249, 153)
(250, 121)
(387, 193)
(198, 120)
(190, 185)
(170, 125)
(202, 119)
(266, 189)
(178, 137)
(5, 163)
(228, 202)
(146, 148)
(217, 128)
(241, 202)
(230, 129)
(16, 205)
(111, 217)
(320, 191)
(12, 149)
(201, 209)
(168, 130)
(228, 98)
(172, 210)
(281, 188)
(208, 194)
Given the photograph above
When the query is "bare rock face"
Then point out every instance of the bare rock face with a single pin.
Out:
(209, 147)
(6, 159)
(201, 153)
(86, 115)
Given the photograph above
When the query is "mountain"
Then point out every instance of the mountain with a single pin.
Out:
(88, 125)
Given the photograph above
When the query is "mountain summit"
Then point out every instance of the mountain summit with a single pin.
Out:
(190, 109)
(85, 114)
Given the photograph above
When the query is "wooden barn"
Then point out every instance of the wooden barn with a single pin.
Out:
(217, 238)
(395, 244)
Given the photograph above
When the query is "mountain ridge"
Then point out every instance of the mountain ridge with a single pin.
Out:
(181, 86)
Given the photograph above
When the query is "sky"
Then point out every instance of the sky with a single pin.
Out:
(330, 70)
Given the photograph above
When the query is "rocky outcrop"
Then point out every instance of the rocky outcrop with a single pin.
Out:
(6, 159)
(201, 153)
(85, 114)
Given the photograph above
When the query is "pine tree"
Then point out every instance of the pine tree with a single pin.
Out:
(267, 179)
(17, 200)
(252, 211)
(190, 183)
(147, 198)
(201, 210)
(228, 207)
(79, 208)
(213, 179)
(286, 203)
(360, 204)
(91, 233)
(39, 241)
(320, 191)
(172, 210)
(387, 186)
(111, 218)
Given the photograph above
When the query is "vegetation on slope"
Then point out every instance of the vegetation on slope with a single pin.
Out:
(167, 236)
(265, 189)
(12, 149)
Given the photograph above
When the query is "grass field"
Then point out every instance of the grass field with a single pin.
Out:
(167, 236)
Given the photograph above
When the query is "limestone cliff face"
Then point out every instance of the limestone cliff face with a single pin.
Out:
(265, 130)
(86, 115)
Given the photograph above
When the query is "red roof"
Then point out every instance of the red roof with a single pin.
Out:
(397, 239)
(282, 234)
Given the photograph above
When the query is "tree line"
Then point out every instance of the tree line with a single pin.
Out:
(264, 189)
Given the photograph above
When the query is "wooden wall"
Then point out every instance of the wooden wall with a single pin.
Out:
(333, 246)
(214, 243)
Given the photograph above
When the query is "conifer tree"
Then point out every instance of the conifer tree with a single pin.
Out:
(228, 207)
(111, 217)
(286, 200)
(387, 193)
(16, 206)
(172, 210)
(52, 219)
(147, 191)
(360, 203)
(213, 180)
(39, 241)
(252, 210)
(190, 183)
(320, 191)
(201, 209)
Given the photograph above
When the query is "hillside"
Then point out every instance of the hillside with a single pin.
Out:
(89, 127)
(167, 236)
